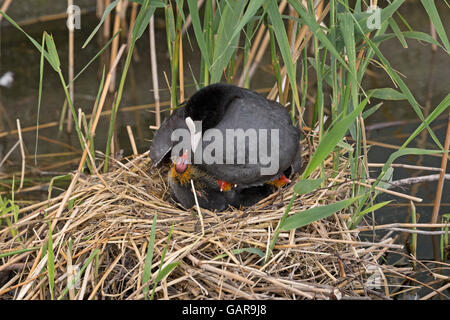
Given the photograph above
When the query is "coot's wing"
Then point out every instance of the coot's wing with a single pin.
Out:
(162, 143)
(251, 113)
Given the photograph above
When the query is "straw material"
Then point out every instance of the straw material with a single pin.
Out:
(102, 224)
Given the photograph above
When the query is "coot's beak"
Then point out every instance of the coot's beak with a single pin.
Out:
(182, 163)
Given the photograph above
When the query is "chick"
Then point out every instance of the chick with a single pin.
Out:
(209, 193)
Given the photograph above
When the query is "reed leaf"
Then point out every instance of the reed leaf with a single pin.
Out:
(309, 216)
(307, 185)
(431, 9)
(147, 272)
(386, 94)
(107, 11)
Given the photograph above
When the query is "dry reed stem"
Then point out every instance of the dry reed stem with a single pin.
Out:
(134, 7)
(132, 142)
(154, 67)
(442, 175)
(406, 166)
(394, 193)
(439, 188)
(70, 72)
(115, 46)
(107, 23)
(22, 152)
(99, 9)
(47, 18)
(9, 153)
(5, 7)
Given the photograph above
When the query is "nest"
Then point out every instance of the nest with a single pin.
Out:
(101, 229)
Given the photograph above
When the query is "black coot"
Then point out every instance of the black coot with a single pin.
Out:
(225, 107)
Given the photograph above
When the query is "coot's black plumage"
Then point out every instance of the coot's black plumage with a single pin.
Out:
(223, 106)
(162, 143)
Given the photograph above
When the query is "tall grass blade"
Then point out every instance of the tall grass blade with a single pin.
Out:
(397, 32)
(41, 78)
(95, 57)
(50, 261)
(162, 272)
(433, 115)
(199, 35)
(432, 11)
(147, 272)
(283, 44)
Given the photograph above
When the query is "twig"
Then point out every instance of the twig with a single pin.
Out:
(401, 225)
(5, 7)
(22, 151)
(107, 24)
(108, 271)
(394, 193)
(133, 143)
(37, 267)
(432, 294)
(418, 231)
(432, 177)
(406, 166)
(9, 153)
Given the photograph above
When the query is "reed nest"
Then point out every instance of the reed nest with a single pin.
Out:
(101, 228)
